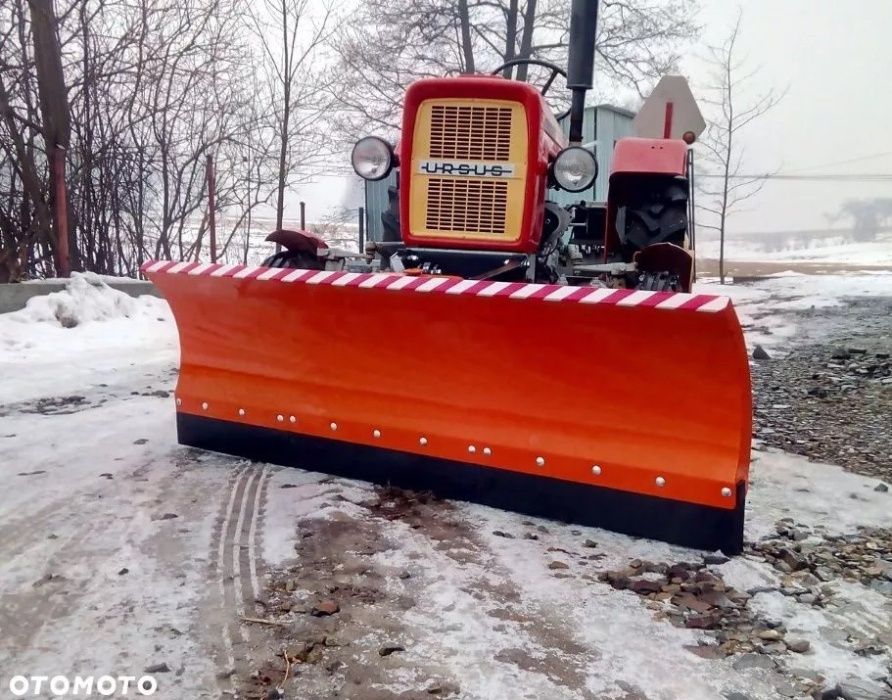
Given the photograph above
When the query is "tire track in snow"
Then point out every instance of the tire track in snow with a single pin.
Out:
(253, 535)
(234, 550)
(241, 547)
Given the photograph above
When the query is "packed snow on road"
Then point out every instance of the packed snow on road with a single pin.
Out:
(122, 553)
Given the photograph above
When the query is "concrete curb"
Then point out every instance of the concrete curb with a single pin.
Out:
(14, 296)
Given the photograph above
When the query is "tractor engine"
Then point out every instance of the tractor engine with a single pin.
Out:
(475, 153)
(476, 157)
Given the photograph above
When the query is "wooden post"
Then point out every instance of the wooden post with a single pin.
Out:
(63, 255)
(212, 217)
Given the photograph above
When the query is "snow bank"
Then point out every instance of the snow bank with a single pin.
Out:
(85, 298)
(81, 336)
(111, 279)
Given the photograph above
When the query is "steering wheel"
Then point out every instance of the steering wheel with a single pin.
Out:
(555, 72)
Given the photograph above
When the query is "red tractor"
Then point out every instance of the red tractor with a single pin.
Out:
(503, 348)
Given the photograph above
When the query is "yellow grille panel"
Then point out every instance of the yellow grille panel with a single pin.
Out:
(466, 132)
(483, 136)
(455, 204)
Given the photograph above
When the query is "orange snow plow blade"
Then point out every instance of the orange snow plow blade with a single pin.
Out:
(621, 409)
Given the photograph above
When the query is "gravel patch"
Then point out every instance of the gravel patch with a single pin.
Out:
(831, 400)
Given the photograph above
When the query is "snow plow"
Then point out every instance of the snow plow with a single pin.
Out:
(505, 350)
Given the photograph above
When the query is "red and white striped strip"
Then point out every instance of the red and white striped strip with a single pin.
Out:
(707, 303)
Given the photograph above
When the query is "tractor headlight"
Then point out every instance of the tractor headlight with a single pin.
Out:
(372, 158)
(575, 169)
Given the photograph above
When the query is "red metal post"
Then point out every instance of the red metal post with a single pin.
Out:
(212, 214)
(667, 122)
(63, 256)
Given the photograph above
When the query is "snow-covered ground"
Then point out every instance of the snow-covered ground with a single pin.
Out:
(764, 308)
(120, 550)
(830, 250)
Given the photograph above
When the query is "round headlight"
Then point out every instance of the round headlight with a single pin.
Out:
(575, 169)
(372, 158)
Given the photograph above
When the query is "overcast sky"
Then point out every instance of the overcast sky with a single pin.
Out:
(835, 60)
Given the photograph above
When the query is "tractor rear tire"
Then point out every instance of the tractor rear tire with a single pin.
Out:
(656, 212)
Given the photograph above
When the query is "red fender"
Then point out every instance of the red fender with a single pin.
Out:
(297, 241)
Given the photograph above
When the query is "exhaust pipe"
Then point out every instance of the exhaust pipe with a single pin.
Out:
(581, 60)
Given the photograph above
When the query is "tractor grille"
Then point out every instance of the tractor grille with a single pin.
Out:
(447, 204)
(466, 205)
(466, 132)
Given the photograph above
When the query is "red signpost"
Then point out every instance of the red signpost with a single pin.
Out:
(667, 122)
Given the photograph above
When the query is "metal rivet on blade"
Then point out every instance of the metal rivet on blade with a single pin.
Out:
(376, 433)
(204, 405)
(422, 441)
(241, 411)
(487, 451)
(726, 492)
(333, 426)
(540, 461)
(280, 418)
(179, 402)
(661, 481)
(596, 470)
(292, 419)
(472, 449)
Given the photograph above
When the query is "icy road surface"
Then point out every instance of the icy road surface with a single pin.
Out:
(120, 551)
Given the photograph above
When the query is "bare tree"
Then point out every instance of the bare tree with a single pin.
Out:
(389, 43)
(27, 219)
(139, 93)
(869, 217)
(293, 35)
(723, 185)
